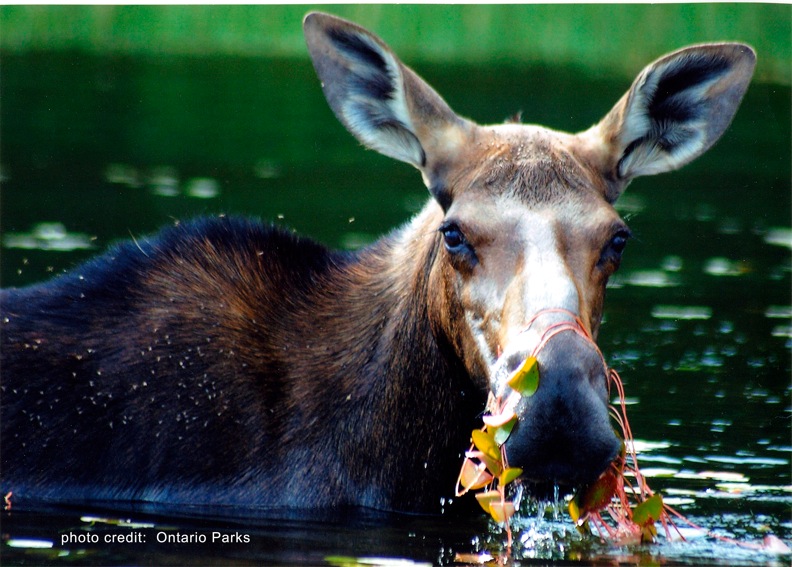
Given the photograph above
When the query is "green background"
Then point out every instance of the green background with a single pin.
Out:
(626, 36)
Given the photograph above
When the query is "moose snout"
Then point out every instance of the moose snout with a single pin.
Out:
(563, 435)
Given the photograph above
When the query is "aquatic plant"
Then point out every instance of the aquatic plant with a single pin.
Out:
(621, 510)
(633, 507)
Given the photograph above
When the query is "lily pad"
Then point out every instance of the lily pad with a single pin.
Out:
(648, 511)
(485, 443)
(509, 474)
(525, 379)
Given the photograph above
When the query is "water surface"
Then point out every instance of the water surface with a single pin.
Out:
(698, 321)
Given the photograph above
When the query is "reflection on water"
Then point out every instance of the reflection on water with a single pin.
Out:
(161, 181)
(48, 236)
(698, 322)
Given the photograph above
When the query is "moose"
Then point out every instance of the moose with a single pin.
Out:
(227, 361)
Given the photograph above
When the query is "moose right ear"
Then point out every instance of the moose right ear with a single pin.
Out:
(381, 102)
(676, 109)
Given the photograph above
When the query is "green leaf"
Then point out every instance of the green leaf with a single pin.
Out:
(525, 379)
(502, 432)
(485, 443)
(574, 509)
(485, 499)
(502, 511)
(648, 511)
(509, 475)
(473, 476)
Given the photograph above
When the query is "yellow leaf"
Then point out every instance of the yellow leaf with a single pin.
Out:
(574, 510)
(474, 476)
(485, 499)
(493, 467)
(509, 475)
(501, 511)
(648, 533)
(485, 443)
(525, 379)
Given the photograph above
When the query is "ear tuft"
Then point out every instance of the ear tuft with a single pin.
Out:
(381, 101)
(375, 109)
(677, 108)
(364, 84)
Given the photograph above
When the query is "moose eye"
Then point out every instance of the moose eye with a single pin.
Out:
(612, 253)
(453, 237)
(619, 241)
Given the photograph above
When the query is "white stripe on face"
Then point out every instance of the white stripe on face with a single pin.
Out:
(545, 283)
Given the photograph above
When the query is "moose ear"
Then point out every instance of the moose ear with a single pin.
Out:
(381, 102)
(676, 109)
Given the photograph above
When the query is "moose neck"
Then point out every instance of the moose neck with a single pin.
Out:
(400, 362)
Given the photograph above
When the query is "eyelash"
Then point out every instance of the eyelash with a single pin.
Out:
(453, 238)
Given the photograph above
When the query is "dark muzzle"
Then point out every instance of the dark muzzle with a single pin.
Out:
(564, 435)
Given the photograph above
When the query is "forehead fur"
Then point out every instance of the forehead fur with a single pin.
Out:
(529, 164)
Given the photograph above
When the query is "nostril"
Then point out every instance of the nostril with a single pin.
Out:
(514, 360)
(505, 368)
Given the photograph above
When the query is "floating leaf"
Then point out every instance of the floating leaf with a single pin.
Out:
(501, 433)
(648, 511)
(500, 419)
(485, 443)
(474, 476)
(501, 511)
(494, 467)
(525, 379)
(597, 495)
(485, 499)
(509, 474)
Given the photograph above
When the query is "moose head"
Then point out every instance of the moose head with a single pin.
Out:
(525, 215)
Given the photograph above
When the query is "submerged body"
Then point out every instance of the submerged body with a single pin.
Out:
(225, 362)
(205, 365)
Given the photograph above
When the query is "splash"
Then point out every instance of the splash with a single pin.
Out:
(486, 465)
(632, 506)
(618, 509)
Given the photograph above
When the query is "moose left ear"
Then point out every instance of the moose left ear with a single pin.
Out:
(381, 101)
(675, 110)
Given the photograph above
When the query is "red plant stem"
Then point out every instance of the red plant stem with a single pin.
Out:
(621, 514)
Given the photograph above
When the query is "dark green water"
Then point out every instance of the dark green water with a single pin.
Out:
(698, 321)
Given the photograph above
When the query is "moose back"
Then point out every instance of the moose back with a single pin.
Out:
(223, 361)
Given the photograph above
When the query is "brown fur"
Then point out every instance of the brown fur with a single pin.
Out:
(222, 361)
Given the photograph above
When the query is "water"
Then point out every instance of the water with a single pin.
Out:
(698, 321)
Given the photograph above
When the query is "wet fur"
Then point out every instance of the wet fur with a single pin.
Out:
(227, 362)
(223, 361)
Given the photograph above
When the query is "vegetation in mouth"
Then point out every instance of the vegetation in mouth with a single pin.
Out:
(633, 509)
(618, 505)
(631, 505)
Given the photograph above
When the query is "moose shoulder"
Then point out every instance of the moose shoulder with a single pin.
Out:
(226, 362)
